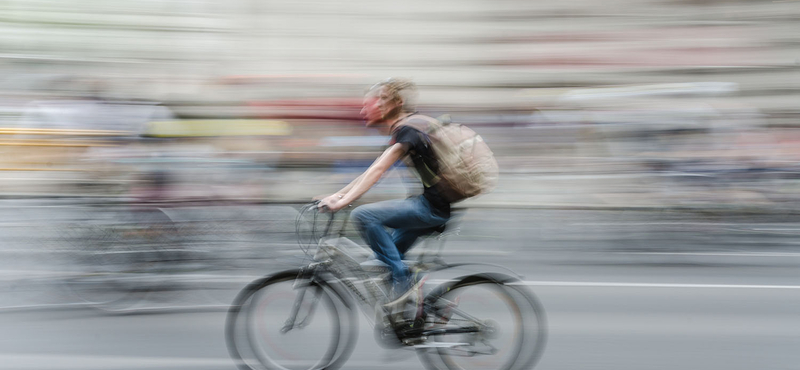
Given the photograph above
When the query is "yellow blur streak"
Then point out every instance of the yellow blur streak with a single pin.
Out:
(29, 169)
(65, 132)
(232, 127)
(54, 143)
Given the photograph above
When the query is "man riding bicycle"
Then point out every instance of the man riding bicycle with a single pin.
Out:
(387, 106)
(483, 320)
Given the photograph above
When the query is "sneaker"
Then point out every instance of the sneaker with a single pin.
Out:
(398, 305)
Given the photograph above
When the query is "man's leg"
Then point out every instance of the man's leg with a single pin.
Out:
(404, 239)
(372, 220)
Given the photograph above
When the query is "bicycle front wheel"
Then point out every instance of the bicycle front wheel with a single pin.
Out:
(288, 323)
(483, 322)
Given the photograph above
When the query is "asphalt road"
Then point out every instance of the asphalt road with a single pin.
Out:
(621, 291)
(597, 320)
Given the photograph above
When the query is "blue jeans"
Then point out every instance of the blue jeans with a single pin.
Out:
(410, 218)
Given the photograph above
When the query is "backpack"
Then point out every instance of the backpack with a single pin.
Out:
(466, 164)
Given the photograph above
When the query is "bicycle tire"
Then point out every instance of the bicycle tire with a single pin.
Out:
(530, 335)
(105, 273)
(248, 353)
(117, 258)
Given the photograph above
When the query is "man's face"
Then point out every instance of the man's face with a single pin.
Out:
(377, 106)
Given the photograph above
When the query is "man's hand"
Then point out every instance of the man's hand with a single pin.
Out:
(332, 203)
(359, 186)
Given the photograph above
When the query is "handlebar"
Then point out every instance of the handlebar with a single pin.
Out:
(315, 210)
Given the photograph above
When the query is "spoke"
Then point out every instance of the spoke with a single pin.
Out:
(466, 316)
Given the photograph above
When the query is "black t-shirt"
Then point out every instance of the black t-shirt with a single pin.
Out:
(420, 153)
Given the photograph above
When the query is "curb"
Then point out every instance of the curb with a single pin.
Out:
(133, 311)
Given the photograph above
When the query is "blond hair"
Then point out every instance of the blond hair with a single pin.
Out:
(401, 89)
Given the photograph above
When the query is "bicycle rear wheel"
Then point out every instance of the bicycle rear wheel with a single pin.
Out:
(114, 258)
(113, 280)
(483, 322)
(261, 334)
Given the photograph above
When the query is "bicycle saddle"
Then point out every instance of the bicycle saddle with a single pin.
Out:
(438, 229)
(455, 216)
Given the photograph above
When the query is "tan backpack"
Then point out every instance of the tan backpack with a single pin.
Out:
(466, 164)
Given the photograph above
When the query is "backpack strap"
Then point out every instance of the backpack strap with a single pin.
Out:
(419, 122)
(425, 125)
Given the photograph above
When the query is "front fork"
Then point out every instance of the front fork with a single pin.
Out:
(305, 280)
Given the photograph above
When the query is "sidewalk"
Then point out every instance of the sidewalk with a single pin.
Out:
(634, 191)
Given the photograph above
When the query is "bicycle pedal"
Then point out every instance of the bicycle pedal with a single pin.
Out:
(415, 342)
(410, 330)
(441, 345)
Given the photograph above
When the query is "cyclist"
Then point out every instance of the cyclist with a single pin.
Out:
(386, 106)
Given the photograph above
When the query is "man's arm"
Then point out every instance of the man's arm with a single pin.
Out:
(360, 185)
(350, 185)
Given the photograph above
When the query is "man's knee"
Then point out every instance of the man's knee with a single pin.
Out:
(374, 213)
(361, 215)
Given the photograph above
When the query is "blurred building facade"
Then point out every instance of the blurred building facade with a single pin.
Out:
(162, 49)
(695, 88)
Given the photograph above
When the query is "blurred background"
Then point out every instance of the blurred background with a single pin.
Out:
(648, 151)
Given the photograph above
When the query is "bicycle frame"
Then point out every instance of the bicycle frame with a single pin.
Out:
(334, 265)
(331, 257)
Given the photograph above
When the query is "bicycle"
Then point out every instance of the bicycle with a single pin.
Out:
(117, 258)
(453, 326)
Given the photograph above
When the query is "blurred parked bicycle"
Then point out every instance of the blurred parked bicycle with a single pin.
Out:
(306, 318)
(117, 256)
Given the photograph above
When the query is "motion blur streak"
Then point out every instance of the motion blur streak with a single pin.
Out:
(153, 155)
